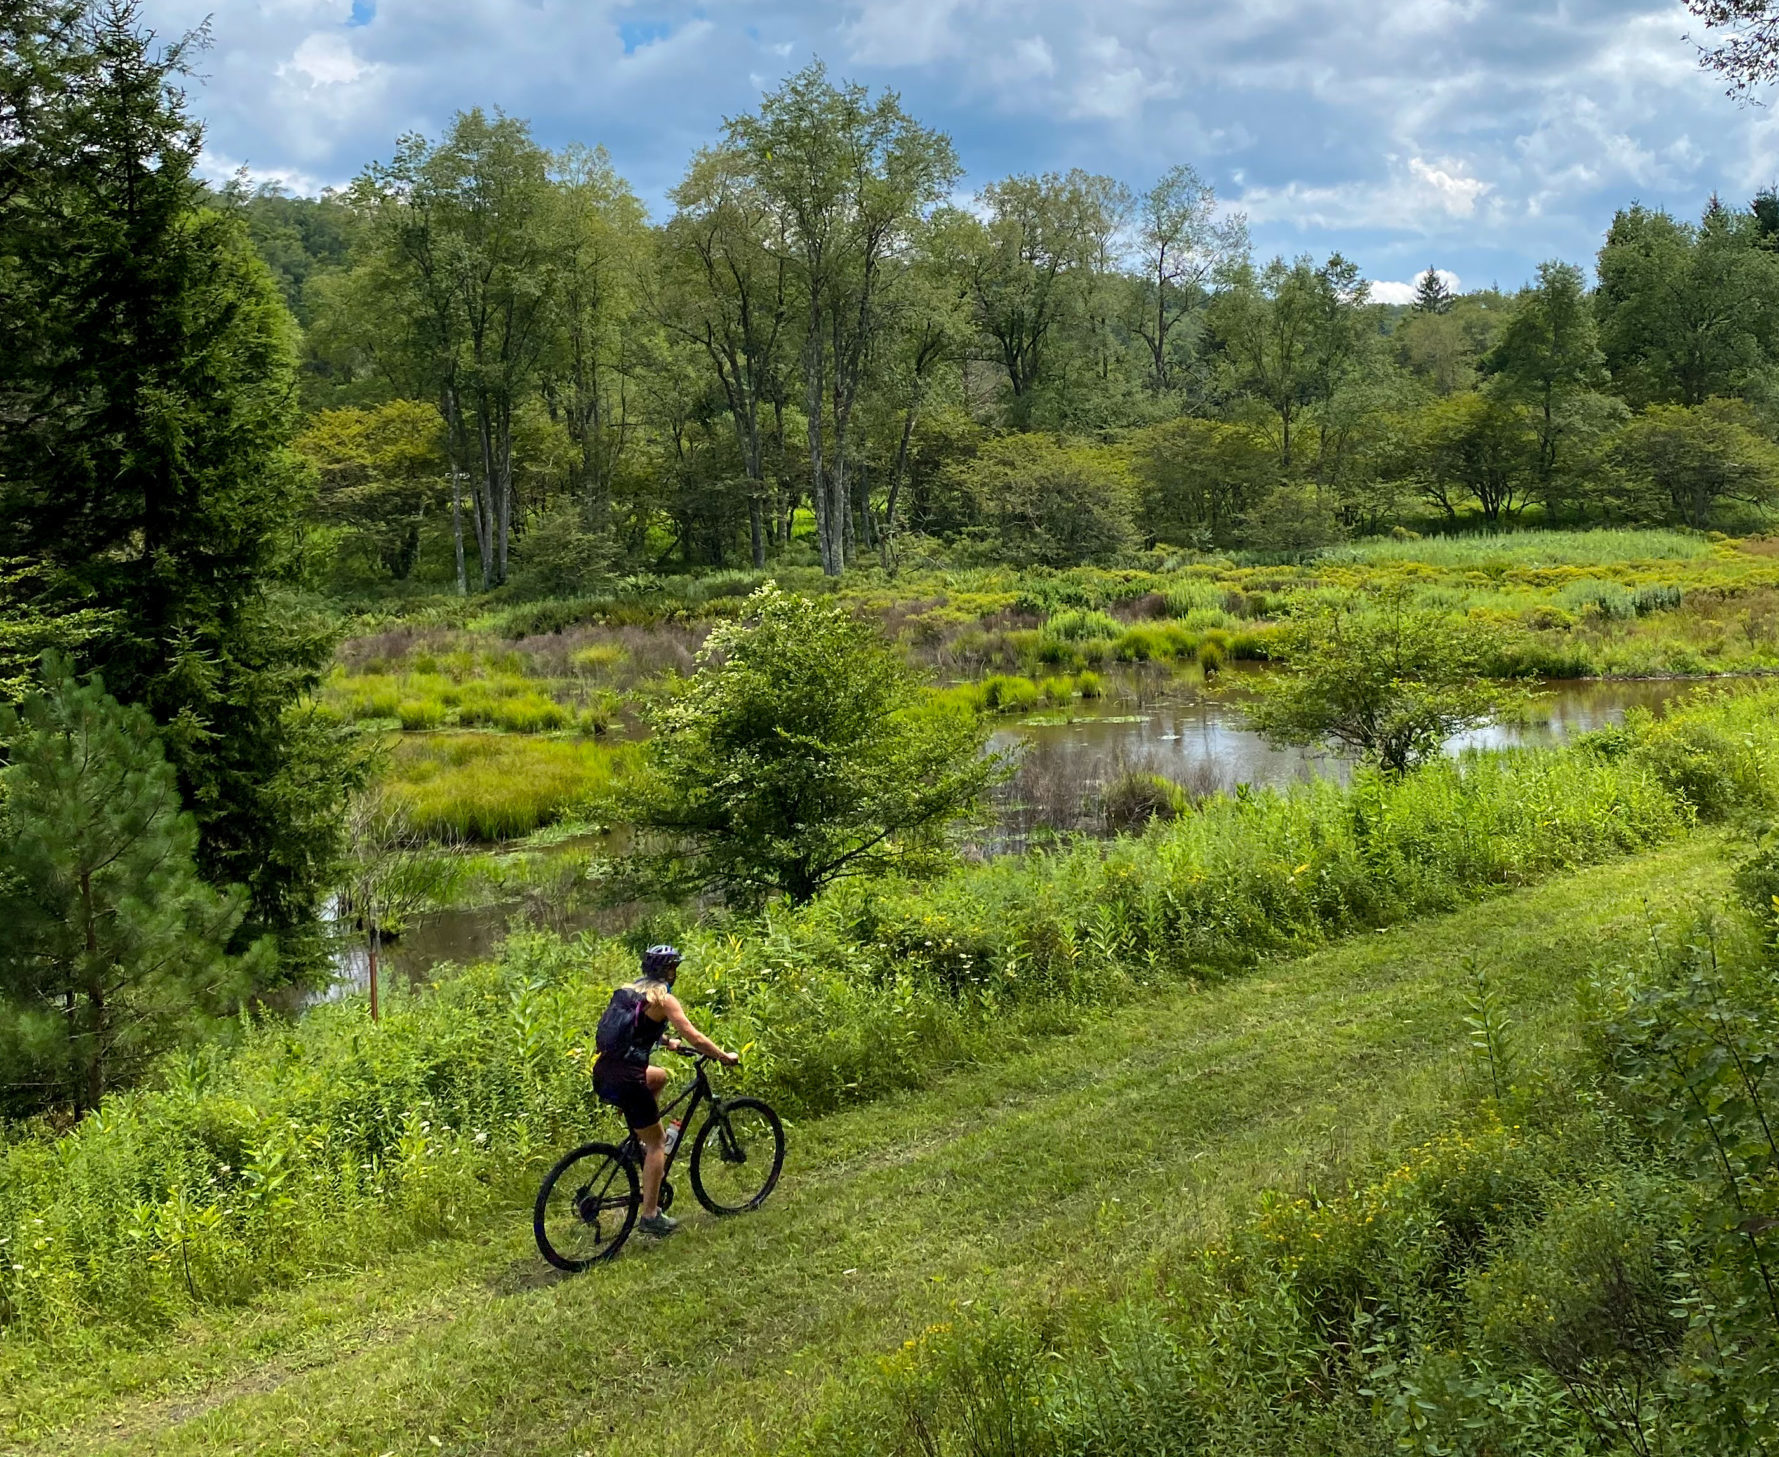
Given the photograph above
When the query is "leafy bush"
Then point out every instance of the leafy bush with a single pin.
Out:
(1658, 597)
(1193, 595)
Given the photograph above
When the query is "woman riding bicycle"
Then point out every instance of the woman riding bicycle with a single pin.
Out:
(632, 1025)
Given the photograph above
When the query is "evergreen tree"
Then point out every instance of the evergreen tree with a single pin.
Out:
(111, 946)
(145, 414)
(1432, 296)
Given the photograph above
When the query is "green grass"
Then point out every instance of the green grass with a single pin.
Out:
(1058, 1171)
(1600, 547)
(487, 787)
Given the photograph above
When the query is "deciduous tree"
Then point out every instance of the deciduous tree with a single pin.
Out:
(851, 177)
(1694, 459)
(1182, 248)
(803, 750)
(1548, 359)
(1383, 680)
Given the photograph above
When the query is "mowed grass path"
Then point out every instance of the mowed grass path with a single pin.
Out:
(1063, 1170)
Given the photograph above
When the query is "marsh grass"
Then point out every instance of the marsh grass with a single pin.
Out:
(489, 787)
(1603, 546)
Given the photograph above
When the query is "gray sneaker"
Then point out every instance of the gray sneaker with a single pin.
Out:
(658, 1225)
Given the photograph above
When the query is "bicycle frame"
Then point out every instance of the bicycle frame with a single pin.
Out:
(696, 1094)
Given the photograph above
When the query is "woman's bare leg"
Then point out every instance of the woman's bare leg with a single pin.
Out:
(654, 1165)
(654, 1151)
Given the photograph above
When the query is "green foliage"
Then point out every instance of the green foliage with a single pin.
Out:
(381, 472)
(1610, 600)
(1469, 448)
(1688, 461)
(1076, 624)
(1051, 501)
(1688, 1043)
(1530, 549)
(1388, 683)
(111, 947)
(1200, 478)
(144, 464)
(559, 554)
(1685, 312)
(802, 751)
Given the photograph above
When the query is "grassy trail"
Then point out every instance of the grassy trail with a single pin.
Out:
(1062, 1170)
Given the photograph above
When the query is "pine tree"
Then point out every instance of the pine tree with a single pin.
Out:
(111, 946)
(1432, 296)
(146, 409)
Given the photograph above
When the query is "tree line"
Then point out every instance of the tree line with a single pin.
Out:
(503, 352)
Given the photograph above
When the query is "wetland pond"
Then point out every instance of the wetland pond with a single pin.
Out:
(1195, 738)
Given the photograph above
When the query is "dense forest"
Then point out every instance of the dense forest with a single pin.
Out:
(506, 360)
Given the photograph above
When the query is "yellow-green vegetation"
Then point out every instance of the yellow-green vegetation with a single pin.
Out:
(421, 700)
(380, 1136)
(1600, 602)
(1068, 1174)
(486, 786)
(1553, 604)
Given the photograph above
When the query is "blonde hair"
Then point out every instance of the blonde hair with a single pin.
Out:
(654, 991)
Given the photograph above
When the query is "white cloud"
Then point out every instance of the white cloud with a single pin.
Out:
(1487, 134)
(1457, 193)
(327, 60)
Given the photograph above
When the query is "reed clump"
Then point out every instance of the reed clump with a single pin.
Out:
(488, 787)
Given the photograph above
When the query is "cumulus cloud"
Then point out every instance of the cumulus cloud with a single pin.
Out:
(1488, 134)
(1457, 194)
(326, 59)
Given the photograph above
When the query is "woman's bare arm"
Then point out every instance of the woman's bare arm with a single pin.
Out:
(676, 1014)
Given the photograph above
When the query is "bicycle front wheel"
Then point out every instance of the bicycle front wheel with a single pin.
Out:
(738, 1155)
(586, 1207)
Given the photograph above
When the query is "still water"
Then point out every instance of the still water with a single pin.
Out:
(1197, 740)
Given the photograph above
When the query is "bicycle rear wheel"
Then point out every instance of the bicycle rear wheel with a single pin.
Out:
(586, 1207)
(738, 1155)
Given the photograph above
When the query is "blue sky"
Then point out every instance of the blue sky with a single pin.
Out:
(1478, 135)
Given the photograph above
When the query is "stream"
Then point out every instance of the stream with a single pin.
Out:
(1194, 738)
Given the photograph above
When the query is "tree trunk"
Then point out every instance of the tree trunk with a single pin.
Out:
(756, 525)
(505, 522)
(897, 471)
(814, 380)
(95, 994)
(376, 1014)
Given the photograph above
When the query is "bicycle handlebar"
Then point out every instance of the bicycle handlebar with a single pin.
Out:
(684, 1051)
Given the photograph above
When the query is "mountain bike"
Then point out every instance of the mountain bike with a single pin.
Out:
(589, 1202)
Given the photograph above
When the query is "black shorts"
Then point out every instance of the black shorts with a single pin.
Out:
(631, 1097)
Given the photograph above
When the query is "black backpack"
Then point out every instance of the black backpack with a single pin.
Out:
(617, 1024)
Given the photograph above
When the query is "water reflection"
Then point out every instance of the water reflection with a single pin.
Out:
(1200, 743)
(1195, 739)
